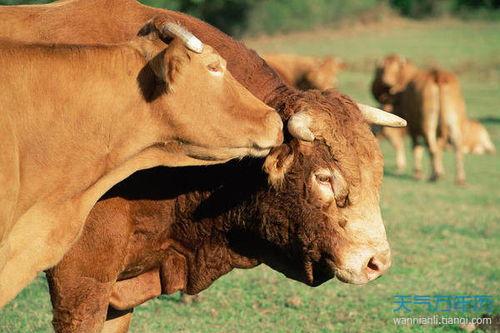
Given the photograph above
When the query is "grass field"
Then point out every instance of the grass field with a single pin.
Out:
(445, 239)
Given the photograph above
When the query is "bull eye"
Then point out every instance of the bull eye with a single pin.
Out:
(324, 179)
(215, 67)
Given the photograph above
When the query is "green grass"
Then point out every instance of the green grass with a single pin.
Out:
(445, 239)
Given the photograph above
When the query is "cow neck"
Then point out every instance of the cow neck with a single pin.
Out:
(88, 133)
(205, 220)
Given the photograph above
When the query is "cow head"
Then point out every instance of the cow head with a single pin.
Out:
(190, 89)
(392, 74)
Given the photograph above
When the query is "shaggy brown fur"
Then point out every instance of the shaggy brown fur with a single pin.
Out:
(306, 72)
(205, 222)
(86, 117)
(431, 102)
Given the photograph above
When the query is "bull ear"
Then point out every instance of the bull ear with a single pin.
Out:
(277, 164)
(168, 63)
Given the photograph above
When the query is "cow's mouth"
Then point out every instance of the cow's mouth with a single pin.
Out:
(225, 154)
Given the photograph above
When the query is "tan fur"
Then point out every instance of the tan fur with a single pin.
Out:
(432, 103)
(306, 72)
(76, 125)
(476, 139)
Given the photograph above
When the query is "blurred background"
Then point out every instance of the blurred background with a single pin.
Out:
(254, 17)
(445, 238)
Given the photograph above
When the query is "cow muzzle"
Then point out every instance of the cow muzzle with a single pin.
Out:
(274, 136)
(363, 266)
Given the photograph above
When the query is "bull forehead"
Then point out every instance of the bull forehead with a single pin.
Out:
(351, 144)
(360, 164)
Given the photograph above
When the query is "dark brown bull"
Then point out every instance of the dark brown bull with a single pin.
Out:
(307, 215)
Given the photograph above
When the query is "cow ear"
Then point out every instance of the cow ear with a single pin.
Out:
(277, 164)
(168, 63)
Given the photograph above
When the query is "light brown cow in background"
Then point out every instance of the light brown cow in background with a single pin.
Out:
(476, 139)
(432, 103)
(77, 119)
(306, 72)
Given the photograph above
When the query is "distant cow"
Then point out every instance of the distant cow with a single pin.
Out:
(476, 139)
(76, 120)
(432, 103)
(312, 214)
(306, 72)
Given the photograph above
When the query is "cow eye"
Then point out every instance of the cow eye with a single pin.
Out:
(215, 67)
(324, 179)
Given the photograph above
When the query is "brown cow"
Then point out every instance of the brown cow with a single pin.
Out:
(312, 215)
(431, 102)
(76, 120)
(396, 136)
(112, 21)
(476, 139)
(306, 72)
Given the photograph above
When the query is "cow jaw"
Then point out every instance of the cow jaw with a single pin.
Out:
(223, 154)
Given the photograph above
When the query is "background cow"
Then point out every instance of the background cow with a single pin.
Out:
(306, 72)
(78, 119)
(433, 105)
(476, 139)
(312, 214)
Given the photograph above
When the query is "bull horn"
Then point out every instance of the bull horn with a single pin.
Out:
(298, 126)
(378, 117)
(190, 40)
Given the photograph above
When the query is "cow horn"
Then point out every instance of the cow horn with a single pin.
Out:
(190, 40)
(378, 117)
(298, 126)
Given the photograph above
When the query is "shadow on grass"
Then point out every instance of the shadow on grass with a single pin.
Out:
(489, 120)
(394, 174)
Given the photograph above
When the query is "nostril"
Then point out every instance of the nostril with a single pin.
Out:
(378, 265)
(373, 264)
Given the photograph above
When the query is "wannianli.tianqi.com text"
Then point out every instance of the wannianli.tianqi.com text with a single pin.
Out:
(441, 320)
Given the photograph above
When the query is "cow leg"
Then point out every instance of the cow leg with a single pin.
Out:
(396, 138)
(435, 151)
(457, 143)
(80, 303)
(117, 321)
(418, 153)
(436, 154)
